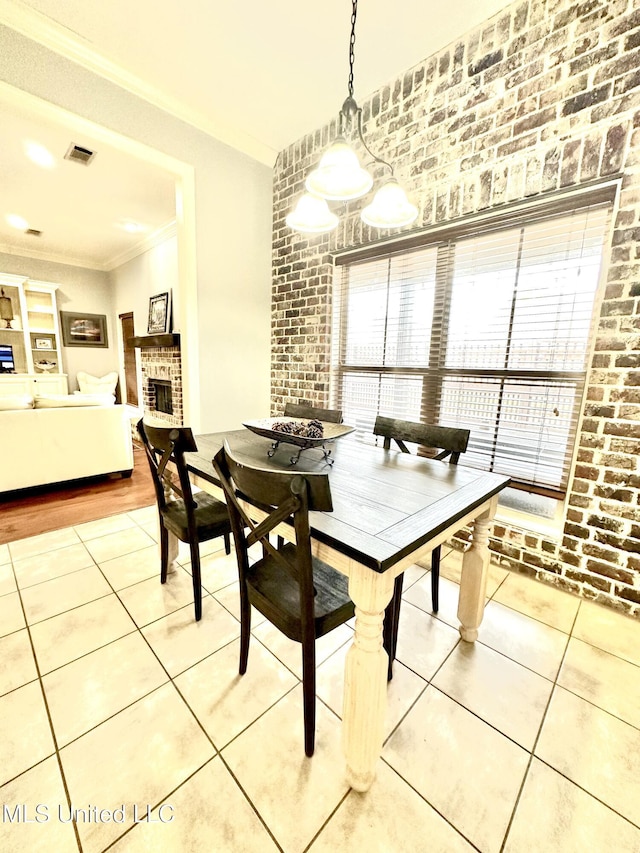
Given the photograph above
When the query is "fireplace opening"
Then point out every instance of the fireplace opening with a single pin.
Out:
(161, 390)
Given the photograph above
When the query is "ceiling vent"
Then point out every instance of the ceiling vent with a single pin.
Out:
(33, 232)
(78, 154)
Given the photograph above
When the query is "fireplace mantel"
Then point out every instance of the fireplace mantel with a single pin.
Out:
(169, 340)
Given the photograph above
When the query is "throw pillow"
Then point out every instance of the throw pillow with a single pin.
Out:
(89, 384)
(15, 401)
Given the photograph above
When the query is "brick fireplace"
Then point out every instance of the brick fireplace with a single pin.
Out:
(161, 377)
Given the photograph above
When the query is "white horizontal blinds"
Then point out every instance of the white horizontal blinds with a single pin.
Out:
(487, 330)
(383, 319)
(521, 309)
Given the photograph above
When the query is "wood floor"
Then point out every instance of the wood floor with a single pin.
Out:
(43, 509)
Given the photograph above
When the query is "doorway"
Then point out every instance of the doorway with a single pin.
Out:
(129, 359)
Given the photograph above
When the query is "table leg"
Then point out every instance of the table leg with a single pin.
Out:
(365, 677)
(473, 582)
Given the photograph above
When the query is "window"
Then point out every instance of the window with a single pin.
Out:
(486, 328)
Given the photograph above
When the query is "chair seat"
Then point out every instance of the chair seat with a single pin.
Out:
(211, 515)
(269, 581)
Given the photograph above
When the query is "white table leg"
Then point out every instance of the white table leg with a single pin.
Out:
(365, 677)
(473, 581)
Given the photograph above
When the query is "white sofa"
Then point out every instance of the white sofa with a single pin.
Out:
(51, 445)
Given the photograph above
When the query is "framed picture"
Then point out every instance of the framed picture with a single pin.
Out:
(159, 314)
(43, 343)
(83, 330)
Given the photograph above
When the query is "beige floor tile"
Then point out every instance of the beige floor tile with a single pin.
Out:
(290, 652)
(117, 544)
(137, 758)
(451, 568)
(132, 568)
(226, 702)
(539, 600)
(144, 515)
(87, 691)
(389, 817)
(41, 788)
(151, 599)
(555, 815)
(423, 641)
(53, 564)
(465, 769)
(229, 597)
(448, 593)
(608, 630)
(595, 750)
(209, 813)
(7, 580)
(103, 526)
(293, 794)
(29, 547)
(17, 666)
(501, 692)
(180, 641)
(79, 631)
(26, 736)
(5, 557)
(609, 682)
(402, 691)
(217, 570)
(61, 594)
(152, 529)
(211, 546)
(525, 640)
(11, 616)
(413, 574)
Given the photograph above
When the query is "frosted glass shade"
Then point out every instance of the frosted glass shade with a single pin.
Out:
(339, 176)
(390, 207)
(311, 215)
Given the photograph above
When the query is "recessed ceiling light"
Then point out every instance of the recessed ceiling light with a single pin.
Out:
(16, 221)
(133, 227)
(39, 155)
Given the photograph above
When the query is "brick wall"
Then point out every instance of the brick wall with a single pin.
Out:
(544, 96)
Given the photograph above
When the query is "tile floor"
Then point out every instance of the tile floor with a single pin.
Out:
(113, 698)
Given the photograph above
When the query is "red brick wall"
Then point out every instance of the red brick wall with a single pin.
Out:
(544, 96)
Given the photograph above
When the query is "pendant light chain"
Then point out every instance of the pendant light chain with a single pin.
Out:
(339, 176)
(352, 44)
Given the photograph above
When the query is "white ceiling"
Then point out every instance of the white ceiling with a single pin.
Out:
(257, 75)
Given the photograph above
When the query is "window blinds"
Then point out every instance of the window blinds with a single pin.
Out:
(487, 330)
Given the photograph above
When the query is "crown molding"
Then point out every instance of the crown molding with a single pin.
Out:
(72, 46)
(22, 252)
(149, 242)
(160, 235)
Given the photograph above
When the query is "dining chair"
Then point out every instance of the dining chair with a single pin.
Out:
(451, 441)
(193, 518)
(296, 410)
(301, 596)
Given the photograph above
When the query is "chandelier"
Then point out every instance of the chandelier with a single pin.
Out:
(339, 176)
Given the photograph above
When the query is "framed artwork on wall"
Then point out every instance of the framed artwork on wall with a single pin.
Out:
(83, 330)
(159, 314)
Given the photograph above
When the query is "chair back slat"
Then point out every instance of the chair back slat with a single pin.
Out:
(164, 446)
(283, 496)
(295, 410)
(452, 441)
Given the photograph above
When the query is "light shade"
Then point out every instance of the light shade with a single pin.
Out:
(312, 215)
(390, 207)
(339, 176)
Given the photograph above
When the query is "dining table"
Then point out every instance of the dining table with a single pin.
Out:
(390, 509)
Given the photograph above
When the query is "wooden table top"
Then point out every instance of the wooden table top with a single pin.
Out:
(386, 504)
